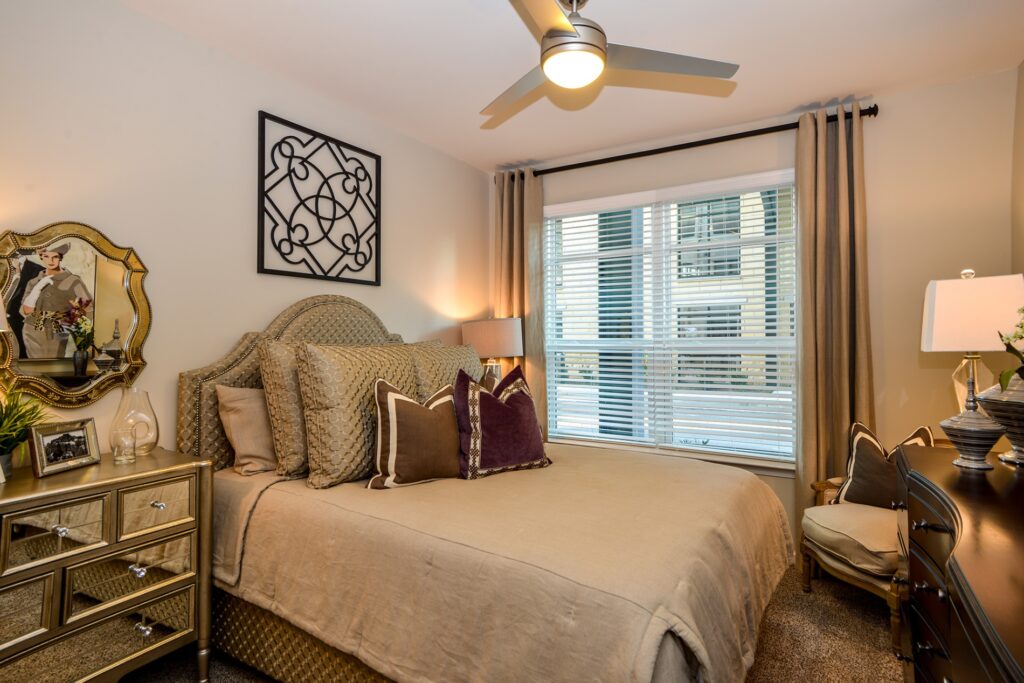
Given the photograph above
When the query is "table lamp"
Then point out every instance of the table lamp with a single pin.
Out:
(966, 316)
(493, 339)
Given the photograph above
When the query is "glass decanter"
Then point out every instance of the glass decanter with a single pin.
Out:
(135, 413)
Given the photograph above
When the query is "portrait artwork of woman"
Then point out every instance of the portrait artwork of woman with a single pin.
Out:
(52, 290)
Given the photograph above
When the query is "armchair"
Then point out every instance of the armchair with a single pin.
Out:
(857, 544)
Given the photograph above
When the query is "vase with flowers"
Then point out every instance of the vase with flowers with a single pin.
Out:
(77, 325)
(1004, 402)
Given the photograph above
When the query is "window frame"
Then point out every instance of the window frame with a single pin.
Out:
(681, 194)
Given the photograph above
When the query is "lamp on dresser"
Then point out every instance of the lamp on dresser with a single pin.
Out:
(965, 316)
(493, 339)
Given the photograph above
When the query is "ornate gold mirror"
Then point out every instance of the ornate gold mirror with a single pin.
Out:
(76, 314)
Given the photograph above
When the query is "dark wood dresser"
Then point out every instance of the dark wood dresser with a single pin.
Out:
(963, 534)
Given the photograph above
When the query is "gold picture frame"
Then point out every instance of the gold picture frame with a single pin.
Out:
(59, 446)
(50, 380)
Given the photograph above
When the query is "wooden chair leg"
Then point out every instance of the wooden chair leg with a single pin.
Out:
(894, 620)
(806, 565)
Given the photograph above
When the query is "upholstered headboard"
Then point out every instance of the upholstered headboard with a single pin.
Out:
(324, 319)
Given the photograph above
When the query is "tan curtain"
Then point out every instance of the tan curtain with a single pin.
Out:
(835, 340)
(519, 271)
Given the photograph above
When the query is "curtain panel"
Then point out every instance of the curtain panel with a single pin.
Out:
(836, 386)
(519, 272)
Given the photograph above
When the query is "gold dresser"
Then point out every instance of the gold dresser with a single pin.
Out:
(104, 568)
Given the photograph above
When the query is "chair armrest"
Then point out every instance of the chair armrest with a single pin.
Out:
(825, 491)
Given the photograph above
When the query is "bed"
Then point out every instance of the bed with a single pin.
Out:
(605, 565)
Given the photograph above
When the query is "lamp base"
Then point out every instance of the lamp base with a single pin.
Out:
(966, 464)
(1013, 457)
(492, 374)
(973, 435)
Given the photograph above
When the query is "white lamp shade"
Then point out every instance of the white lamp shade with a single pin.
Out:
(494, 338)
(968, 315)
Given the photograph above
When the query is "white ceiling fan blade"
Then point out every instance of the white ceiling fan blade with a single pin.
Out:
(628, 58)
(542, 16)
(533, 80)
(665, 82)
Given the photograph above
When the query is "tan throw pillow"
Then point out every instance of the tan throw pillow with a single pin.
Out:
(438, 366)
(339, 406)
(279, 369)
(415, 443)
(243, 412)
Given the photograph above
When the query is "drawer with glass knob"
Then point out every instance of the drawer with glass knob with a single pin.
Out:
(38, 535)
(95, 585)
(96, 648)
(24, 610)
(152, 507)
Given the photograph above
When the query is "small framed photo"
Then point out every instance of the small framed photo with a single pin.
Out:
(60, 446)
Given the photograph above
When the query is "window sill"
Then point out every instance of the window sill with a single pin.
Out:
(765, 466)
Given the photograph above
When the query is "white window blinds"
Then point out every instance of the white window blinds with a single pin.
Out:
(670, 321)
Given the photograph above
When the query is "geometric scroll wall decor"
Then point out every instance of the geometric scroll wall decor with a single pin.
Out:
(319, 213)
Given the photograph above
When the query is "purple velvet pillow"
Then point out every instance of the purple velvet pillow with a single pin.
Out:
(498, 430)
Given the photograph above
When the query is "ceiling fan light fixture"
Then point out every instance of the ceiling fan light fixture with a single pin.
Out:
(574, 60)
(577, 68)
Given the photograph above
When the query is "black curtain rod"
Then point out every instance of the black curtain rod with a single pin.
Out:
(868, 111)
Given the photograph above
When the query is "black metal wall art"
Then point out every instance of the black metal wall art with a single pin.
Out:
(319, 212)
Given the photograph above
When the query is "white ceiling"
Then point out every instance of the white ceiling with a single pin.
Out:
(427, 67)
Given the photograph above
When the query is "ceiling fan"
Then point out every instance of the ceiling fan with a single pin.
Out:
(574, 52)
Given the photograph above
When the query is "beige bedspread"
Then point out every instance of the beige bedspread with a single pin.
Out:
(572, 572)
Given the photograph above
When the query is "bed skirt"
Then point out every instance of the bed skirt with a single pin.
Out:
(278, 649)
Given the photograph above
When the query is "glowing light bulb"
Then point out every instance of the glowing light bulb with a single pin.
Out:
(573, 68)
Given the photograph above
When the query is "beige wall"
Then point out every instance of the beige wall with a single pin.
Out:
(1018, 176)
(938, 166)
(116, 121)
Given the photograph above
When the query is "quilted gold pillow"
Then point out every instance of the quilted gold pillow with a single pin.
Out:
(279, 370)
(337, 385)
(438, 366)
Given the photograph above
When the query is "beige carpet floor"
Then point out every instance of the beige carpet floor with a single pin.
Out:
(837, 633)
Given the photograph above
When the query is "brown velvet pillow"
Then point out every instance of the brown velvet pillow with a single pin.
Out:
(243, 412)
(498, 429)
(415, 443)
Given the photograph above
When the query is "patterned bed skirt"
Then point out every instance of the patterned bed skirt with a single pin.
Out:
(273, 646)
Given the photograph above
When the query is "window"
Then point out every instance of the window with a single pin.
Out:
(701, 223)
(670, 318)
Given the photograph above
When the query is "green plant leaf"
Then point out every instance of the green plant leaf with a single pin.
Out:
(1010, 348)
(1004, 378)
(17, 417)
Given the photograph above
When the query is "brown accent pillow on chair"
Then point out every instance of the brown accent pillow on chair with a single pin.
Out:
(337, 384)
(415, 442)
(243, 412)
(871, 475)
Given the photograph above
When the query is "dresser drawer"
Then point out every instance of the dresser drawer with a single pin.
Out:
(929, 527)
(41, 534)
(24, 610)
(143, 509)
(94, 585)
(931, 656)
(928, 592)
(99, 647)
